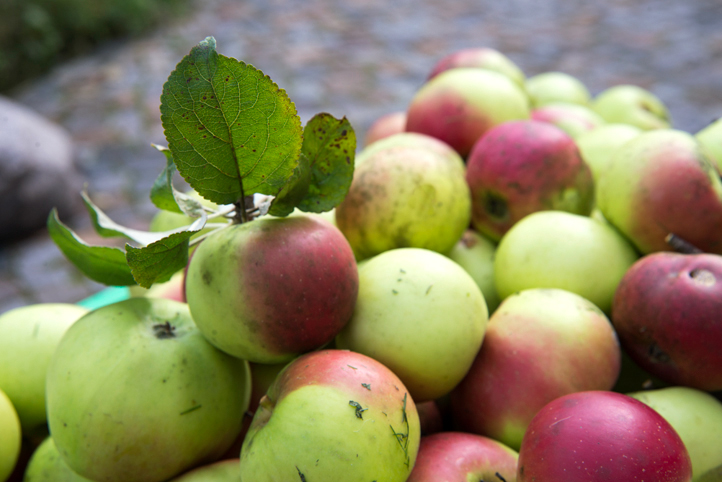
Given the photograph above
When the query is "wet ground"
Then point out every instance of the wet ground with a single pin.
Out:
(360, 60)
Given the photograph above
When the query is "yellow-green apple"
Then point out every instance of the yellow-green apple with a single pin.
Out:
(597, 436)
(222, 471)
(475, 253)
(459, 456)
(333, 415)
(386, 125)
(667, 314)
(696, 416)
(406, 139)
(10, 436)
(549, 87)
(272, 288)
(46, 465)
(555, 249)
(596, 146)
(28, 337)
(480, 57)
(405, 195)
(459, 105)
(711, 138)
(135, 392)
(631, 104)
(521, 167)
(420, 314)
(574, 119)
(662, 182)
(540, 344)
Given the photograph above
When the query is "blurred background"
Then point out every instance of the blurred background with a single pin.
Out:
(86, 77)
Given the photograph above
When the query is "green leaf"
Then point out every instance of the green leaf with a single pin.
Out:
(329, 144)
(294, 191)
(158, 261)
(167, 197)
(103, 264)
(232, 131)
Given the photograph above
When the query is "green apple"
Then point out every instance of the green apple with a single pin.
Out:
(459, 105)
(598, 145)
(10, 437)
(420, 314)
(411, 194)
(475, 253)
(574, 119)
(333, 415)
(46, 465)
(135, 392)
(711, 138)
(551, 87)
(631, 104)
(28, 338)
(662, 182)
(697, 417)
(555, 249)
(223, 471)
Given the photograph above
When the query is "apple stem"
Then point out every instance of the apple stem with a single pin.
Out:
(681, 245)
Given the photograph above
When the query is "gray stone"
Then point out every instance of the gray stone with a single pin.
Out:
(37, 171)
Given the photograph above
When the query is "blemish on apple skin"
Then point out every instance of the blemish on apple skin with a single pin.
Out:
(429, 289)
(300, 474)
(192, 409)
(395, 292)
(367, 386)
(359, 409)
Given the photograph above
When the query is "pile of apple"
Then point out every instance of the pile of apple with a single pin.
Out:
(520, 283)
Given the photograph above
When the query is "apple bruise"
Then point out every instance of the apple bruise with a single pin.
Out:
(299, 284)
(521, 167)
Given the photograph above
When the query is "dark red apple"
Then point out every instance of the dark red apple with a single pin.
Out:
(601, 436)
(525, 166)
(667, 311)
(459, 456)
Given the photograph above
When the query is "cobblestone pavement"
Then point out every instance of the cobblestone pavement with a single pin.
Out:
(359, 59)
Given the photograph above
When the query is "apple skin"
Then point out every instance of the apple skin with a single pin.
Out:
(600, 436)
(430, 417)
(475, 253)
(480, 57)
(273, 288)
(597, 146)
(662, 182)
(549, 87)
(309, 425)
(634, 105)
(223, 471)
(459, 456)
(10, 436)
(459, 105)
(385, 126)
(666, 311)
(28, 338)
(521, 167)
(405, 195)
(135, 392)
(711, 138)
(46, 465)
(696, 416)
(540, 344)
(420, 314)
(574, 119)
(555, 249)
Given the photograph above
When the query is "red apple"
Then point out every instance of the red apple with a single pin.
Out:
(459, 105)
(521, 167)
(480, 57)
(273, 288)
(430, 417)
(601, 436)
(385, 126)
(540, 344)
(458, 456)
(667, 311)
